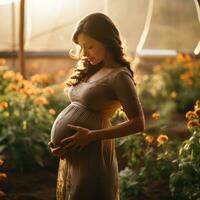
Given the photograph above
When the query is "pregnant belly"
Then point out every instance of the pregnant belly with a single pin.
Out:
(76, 114)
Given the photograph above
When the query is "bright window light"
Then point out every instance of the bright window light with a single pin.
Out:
(2, 2)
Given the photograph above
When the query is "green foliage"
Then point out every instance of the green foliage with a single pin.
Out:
(27, 112)
(168, 87)
(149, 163)
(185, 180)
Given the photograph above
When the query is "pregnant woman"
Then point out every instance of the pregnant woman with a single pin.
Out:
(82, 135)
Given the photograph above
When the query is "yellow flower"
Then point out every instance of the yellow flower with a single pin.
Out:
(52, 111)
(161, 139)
(24, 124)
(156, 115)
(41, 100)
(173, 94)
(48, 90)
(190, 114)
(3, 105)
(192, 123)
(9, 75)
(149, 139)
(16, 113)
(6, 114)
(2, 61)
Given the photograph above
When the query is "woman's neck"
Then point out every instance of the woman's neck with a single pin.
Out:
(109, 62)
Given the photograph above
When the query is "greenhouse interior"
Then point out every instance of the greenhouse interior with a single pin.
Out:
(160, 42)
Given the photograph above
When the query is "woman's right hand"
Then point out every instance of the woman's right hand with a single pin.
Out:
(54, 150)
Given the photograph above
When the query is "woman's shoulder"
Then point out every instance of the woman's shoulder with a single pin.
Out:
(121, 71)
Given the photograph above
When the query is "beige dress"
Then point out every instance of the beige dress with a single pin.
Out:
(92, 174)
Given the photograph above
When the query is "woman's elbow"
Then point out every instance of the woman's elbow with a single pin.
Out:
(139, 123)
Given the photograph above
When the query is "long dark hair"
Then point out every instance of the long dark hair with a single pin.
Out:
(99, 27)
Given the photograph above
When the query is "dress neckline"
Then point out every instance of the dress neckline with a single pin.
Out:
(102, 78)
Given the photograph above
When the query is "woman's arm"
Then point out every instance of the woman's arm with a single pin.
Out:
(128, 127)
(124, 89)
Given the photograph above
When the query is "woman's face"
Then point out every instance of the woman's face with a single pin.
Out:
(92, 49)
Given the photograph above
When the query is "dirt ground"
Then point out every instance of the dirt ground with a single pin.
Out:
(38, 185)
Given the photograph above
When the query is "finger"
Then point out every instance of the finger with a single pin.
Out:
(66, 139)
(73, 126)
(50, 144)
(56, 150)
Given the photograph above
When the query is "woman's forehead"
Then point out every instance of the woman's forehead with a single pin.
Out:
(84, 39)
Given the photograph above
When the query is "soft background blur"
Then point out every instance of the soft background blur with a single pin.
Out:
(161, 36)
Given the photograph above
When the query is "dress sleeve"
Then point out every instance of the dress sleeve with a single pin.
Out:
(124, 89)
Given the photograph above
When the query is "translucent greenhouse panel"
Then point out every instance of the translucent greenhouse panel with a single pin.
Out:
(50, 23)
(9, 26)
(174, 27)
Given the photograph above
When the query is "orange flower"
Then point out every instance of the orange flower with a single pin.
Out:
(48, 90)
(197, 103)
(3, 175)
(1, 162)
(149, 139)
(190, 114)
(193, 123)
(157, 68)
(180, 57)
(161, 139)
(40, 78)
(168, 60)
(52, 111)
(189, 65)
(186, 76)
(197, 112)
(173, 94)
(12, 87)
(26, 83)
(9, 74)
(2, 193)
(3, 105)
(2, 61)
(188, 58)
(41, 100)
(156, 115)
(18, 77)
